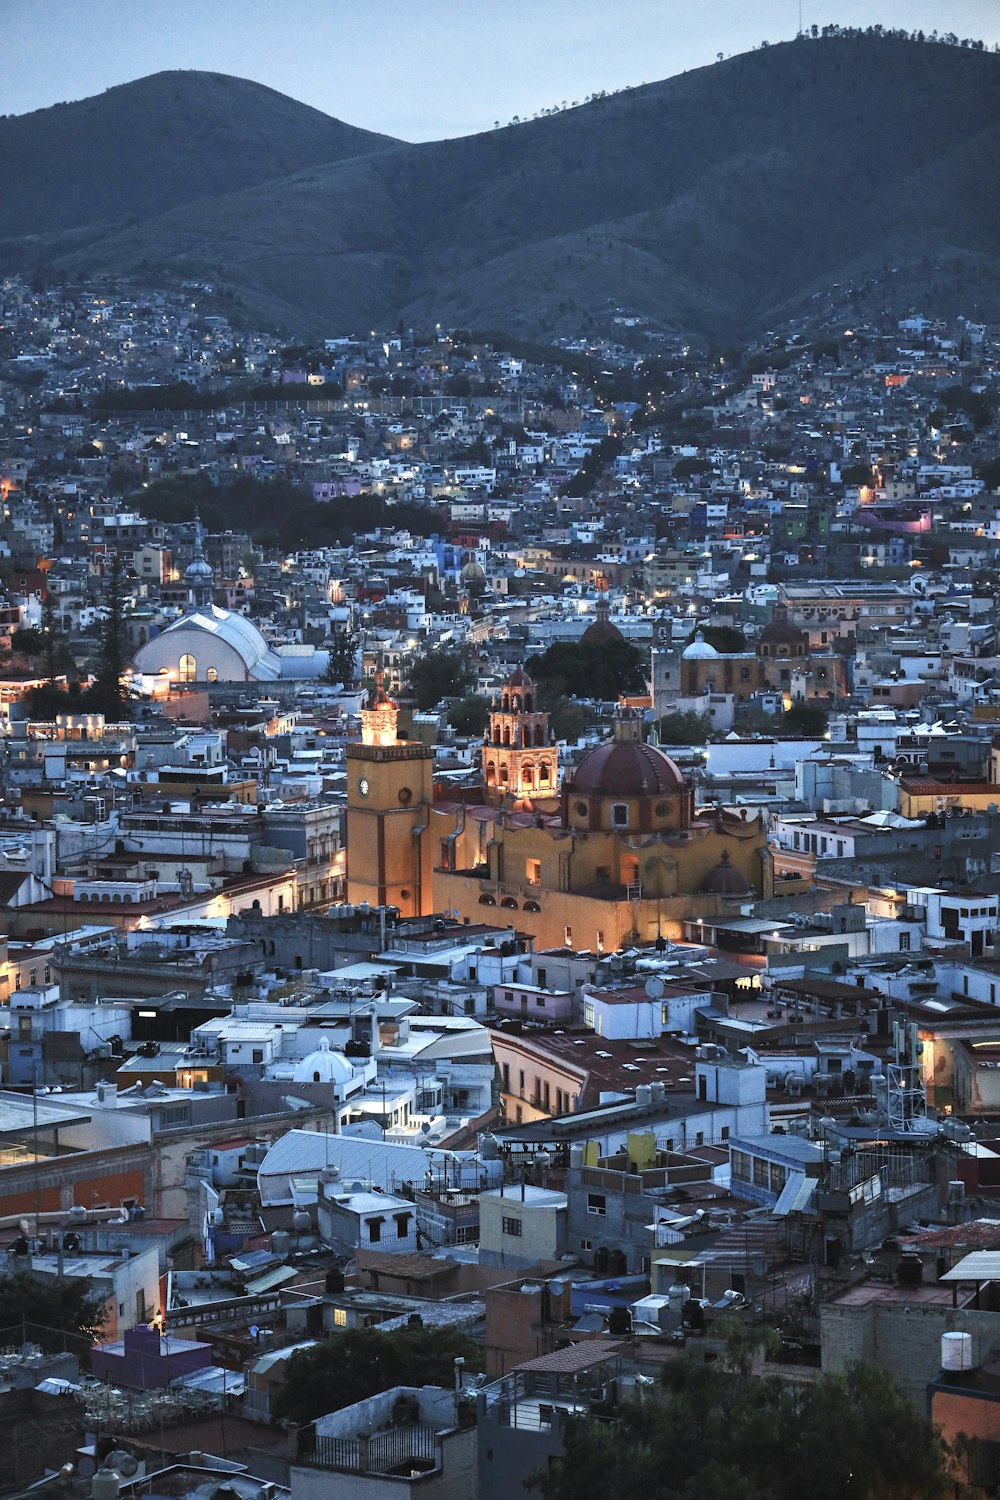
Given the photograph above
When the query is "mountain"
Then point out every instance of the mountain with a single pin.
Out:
(717, 203)
(158, 143)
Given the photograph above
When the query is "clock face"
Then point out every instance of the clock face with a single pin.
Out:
(364, 786)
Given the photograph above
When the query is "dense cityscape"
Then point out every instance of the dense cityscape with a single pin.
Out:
(500, 884)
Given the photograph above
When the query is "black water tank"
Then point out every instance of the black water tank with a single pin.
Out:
(909, 1270)
(335, 1281)
(619, 1321)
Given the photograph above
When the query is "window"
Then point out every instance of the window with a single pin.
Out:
(187, 668)
(596, 1204)
(511, 1227)
(619, 814)
(904, 942)
(212, 675)
(533, 871)
(374, 1231)
(340, 1317)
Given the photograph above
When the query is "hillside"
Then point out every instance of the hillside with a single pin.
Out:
(715, 202)
(157, 143)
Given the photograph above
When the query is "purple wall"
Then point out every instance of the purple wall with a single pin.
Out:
(145, 1361)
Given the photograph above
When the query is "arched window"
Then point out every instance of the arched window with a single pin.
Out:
(506, 703)
(528, 775)
(491, 773)
(506, 734)
(187, 668)
(539, 735)
(212, 675)
(504, 775)
(543, 774)
(527, 703)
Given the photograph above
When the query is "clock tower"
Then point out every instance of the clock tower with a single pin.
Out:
(389, 794)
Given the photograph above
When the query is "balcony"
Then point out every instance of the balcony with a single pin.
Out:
(406, 1452)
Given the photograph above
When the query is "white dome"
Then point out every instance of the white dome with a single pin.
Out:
(699, 649)
(323, 1066)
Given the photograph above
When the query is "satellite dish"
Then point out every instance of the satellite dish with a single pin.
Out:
(123, 1462)
(654, 987)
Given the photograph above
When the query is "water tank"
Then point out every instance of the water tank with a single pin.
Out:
(334, 1281)
(78, 1214)
(644, 1094)
(956, 1351)
(659, 1092)
(105, 1485)
(956, 1192)
(678, 1291)
(281, 1242)
(909, 1270)
(301, 1222)
(576, 1155)
(489, 1147)
(619, 1322)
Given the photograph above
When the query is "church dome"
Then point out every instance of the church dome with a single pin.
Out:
(627, 768)
(198, 571)
(518, 678)
(699, 649)
(323, 1066)
(725, 880)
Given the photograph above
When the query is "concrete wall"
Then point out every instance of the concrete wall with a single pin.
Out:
(902, 1337)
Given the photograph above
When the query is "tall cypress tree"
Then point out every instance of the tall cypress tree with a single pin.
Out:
(108, 695)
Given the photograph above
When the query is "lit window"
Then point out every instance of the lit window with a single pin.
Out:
(187, 668)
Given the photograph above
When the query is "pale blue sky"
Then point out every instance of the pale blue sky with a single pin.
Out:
(419, 69)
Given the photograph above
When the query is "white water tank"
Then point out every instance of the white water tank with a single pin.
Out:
(956, 1351)
(576, 1155)
(105, 1485)
(659, 1092)
(644, 1094)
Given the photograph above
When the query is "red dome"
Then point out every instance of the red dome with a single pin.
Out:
(725, 879)
(518, 678)
(627, 768)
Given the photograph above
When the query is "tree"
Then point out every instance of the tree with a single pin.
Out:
(684, 728)
(51, 1307)
(361, 1362)
(440, 674)
(589, 669)
(725, 638)
(809, 719)
(723, 1435)
(470, 715)
(343, 650)
(107, 694)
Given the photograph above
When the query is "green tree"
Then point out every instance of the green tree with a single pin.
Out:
(434, 675)
(684, 729)
(725, 638)
(589, 669)
(52, 1306)
(720, 1434)
(341, 667)
(806, 719)
(470, 715)
(107, 694)
(362, 1362)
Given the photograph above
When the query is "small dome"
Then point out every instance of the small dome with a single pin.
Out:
(626, 768)
(699, 649)
(473, 572)
(519, 679)
(725, 880)
(323, 1066)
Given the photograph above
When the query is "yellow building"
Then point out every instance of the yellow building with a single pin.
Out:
(619, 855)
(389, 793)
(617, 859)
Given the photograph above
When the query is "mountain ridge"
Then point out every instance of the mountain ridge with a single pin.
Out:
(714, 203)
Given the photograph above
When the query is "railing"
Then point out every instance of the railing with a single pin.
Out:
(223, 1311)
(414, 1445)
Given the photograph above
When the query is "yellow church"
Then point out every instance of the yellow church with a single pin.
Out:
(617, 854)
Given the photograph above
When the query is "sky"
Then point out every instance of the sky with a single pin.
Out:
(419, 69)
